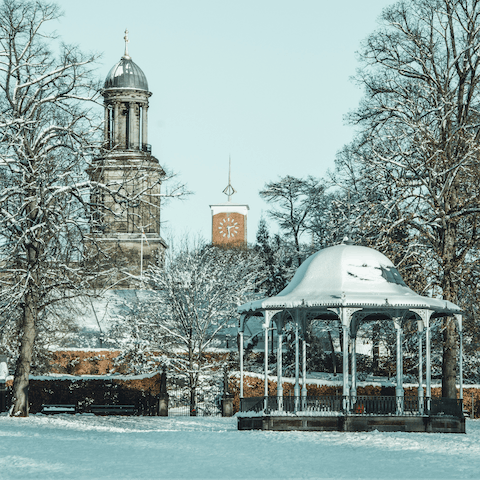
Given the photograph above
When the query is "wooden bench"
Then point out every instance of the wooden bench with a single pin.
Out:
(55, 408)
(112, 409)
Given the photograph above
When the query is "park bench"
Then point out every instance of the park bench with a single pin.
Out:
(113, 409)
(55, 408)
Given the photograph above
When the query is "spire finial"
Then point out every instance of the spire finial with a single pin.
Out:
(229, 190)
(126, 44)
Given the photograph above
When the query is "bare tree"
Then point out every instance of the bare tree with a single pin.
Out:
(418, 146)
(296, 200)
(48, 132)
(193, 298)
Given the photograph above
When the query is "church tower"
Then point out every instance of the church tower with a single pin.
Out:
(129, 227)
(229, 220)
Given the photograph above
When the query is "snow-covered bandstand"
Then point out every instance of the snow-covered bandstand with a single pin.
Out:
(354, 285)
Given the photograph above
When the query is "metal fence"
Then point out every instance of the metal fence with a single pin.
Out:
(206, 402)
(292, 404)
(363, 405)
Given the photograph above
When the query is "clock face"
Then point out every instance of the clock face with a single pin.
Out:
(228, 227)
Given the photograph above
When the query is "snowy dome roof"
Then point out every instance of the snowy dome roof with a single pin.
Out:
(348, 275)
(126, 74)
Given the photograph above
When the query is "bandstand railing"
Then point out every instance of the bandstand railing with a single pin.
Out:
(360, 405)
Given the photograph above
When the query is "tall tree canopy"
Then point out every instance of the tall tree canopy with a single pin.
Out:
(48, 132)
(295, 202)
(417, 153)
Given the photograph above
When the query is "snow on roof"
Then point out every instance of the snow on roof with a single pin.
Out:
(98, 314)
(348, 275)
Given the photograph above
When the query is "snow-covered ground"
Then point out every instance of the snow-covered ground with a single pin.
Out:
(87, 447)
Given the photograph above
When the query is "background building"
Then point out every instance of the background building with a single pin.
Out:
(129, 227)
(229, 220)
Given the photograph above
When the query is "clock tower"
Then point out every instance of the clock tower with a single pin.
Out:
(229, 220)
(128, 230)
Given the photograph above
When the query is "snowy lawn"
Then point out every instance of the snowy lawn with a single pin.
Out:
(87, 447)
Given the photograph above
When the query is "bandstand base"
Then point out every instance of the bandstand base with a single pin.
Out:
(354, 423)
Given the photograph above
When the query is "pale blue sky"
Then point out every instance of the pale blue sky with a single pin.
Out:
(266, 82)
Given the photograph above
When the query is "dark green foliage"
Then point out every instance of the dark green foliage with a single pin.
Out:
(276, 269)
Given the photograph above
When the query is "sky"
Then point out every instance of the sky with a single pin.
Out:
(266, 83)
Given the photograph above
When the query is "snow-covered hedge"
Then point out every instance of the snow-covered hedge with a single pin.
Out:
(84, 391)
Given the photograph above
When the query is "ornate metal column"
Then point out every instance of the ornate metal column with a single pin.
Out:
(280, 368)
(304, 373)
(266, 326)
(268, 314)
(428, 361)
(459, 319)
(399, 392)
(296, 389)
(240, 340)
(345, 368)
(279, 321)
(354, 326)
(420, 366)
(353, 388)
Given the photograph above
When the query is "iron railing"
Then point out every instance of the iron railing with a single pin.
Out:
(206, 403)
(360, 405)
(378, 405)
(292, 404)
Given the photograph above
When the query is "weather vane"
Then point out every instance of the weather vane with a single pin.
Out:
(126, 44)
(229, 190)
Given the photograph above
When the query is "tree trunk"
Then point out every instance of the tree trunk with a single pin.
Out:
(22, 370)
(449, 363)
(191, 377)
(28, 327)
(193, 398)
(449, 360)
(297, 248)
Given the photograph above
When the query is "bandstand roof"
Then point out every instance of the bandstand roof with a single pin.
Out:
(349, 276)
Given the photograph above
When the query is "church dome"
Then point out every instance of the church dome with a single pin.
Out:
(126, 74)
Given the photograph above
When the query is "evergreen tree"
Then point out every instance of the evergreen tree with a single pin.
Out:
(273, 270)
